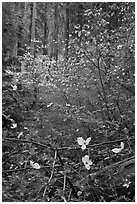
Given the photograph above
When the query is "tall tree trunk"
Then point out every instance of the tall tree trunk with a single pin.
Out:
(67, 32)
(45, 40)
(16, 18)
(80, 23)
(26, 23)
(56, 32)
(33, 29)
(50, 22)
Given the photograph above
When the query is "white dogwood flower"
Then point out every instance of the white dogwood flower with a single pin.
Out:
(83, 142)
(87, 162)
(117, 150)
(34, 165)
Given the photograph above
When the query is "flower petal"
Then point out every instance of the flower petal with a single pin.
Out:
(117, 150)
(87, 167)
(31, 162)
(90, 162)
(80, 140)
(50, 104)
(122, 145)
(85, 159)
(34, 165)
(88, 140)
(83, 147)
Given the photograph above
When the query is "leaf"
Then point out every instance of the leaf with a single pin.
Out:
(34, 165)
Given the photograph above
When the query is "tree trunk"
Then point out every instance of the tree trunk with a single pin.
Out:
(50, 22)
(67, 32)
(16, 18)
(33, 29)
(26, 23)
(45, 40)
(56, 32)
(80, 23)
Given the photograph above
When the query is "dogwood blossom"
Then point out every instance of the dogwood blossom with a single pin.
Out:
(117, 150)
(83, 142)
(87, 162)
(34, 165)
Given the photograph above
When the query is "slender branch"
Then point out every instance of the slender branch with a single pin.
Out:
(16, 170)
(64, 184)
(96, 145)
(99, 71)
(104, 93)
(68, 148)
(52, 172)
(91, 61)
(128, 89)
(26, 168)
(29, 141)
(53, 167)
(64, 187)
(117, 164)
(121, 84)
(133, 28)
(47, 145)
(67, 178)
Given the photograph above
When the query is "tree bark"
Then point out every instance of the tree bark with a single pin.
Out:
(67, 32)
(16, 19)
(32, 45)
(26, 23)
(56, 32)
(45, 40)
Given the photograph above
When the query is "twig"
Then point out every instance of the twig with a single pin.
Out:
(29, 141)
(16, 170)
(95, 145)
(133, 92)
(103, 89)
(63, 197)
(119, 164)
(67, 178)
(26, 168)
(64, 187)
(64, 184)
(52, 172)
(68, 148)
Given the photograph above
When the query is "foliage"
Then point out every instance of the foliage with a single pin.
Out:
(74, 139)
